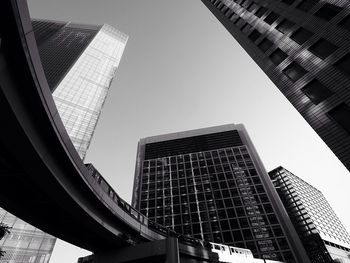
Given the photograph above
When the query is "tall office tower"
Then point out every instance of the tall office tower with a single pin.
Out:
(79, 62)
(321, 232)
(210, 184)
(304, 48)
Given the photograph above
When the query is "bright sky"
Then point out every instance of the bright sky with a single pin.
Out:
(182, 70)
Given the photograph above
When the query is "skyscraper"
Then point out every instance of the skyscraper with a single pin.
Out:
(210, 184)
(79, 62)
(304, 48)
(323, 235)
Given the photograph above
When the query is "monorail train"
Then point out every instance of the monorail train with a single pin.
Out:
(145, 227)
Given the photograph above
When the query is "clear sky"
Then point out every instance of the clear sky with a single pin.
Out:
(182, 70)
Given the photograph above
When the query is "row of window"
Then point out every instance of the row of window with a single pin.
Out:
(326, 12)
(314, 90)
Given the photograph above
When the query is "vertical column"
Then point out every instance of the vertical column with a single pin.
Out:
(172, 251)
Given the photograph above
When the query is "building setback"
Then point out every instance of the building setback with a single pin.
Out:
(324, 237)
(79, 62)
(304, 48)
(210, 184)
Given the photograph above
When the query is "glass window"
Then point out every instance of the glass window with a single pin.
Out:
(252, 7)
(246, 28)
(254, 35)
(294, 71)
(328, 11)
(272, 17)
(240, 22)
(278, 56)
(345, 22)
(265, 45)
(301, 35)
(341, 115)
(316, 91)
(262, 10)
(323, 48)
(285, 26)
(344, 64)
(306, 5)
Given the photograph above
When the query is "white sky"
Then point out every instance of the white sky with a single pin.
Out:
(182, 70)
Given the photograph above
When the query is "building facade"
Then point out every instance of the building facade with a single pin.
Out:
(324, 237)
(79, 62)
(210, 184)
(304, 48)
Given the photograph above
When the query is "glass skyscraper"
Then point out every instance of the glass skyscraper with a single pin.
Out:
(304, 48)
(79, 62)
(321, 232)
(210, 184)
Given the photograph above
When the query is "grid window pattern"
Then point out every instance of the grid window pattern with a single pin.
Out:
(314, 218)
(316, 91)
(344, 64)
(323, 48)
(321, 30)
(285, 26)
(278, 56)
(294, 71)
(328, 11)
(345, 22)
(340, 114)
(254, 35)
(25, 243)
(306, 5)
(265, 44)
(272, 17)
(80, 95)
(214, 195)
(301, 35)
(60, 45)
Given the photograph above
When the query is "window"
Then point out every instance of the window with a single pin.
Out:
(316, 91)
(252, 7)
(301, 35)
(233, 17)
(246, 28)
(288, 2)
(254, 35)
(306, 5)
(272, 17)
(278, 56)
(328, 11)
(341, 115)
(322, 48)
(344, 64)
(345, 22)
(240, 22)
(265, 45)
(294, 71)
(262, 10)
(285, 26)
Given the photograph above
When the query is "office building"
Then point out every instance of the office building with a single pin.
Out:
(324, 237)
(210, 184)
(79, 62)
(304, 48)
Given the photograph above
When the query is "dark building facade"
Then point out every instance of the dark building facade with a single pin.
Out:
(324, 237)
(304, 48)
(60, 44)
(210, 184)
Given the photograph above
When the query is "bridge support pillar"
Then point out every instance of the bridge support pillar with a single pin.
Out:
(162, 251)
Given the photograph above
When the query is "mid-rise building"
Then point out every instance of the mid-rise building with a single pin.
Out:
(79, 62)
(211, 184)
(304, 48)
(324, 237)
